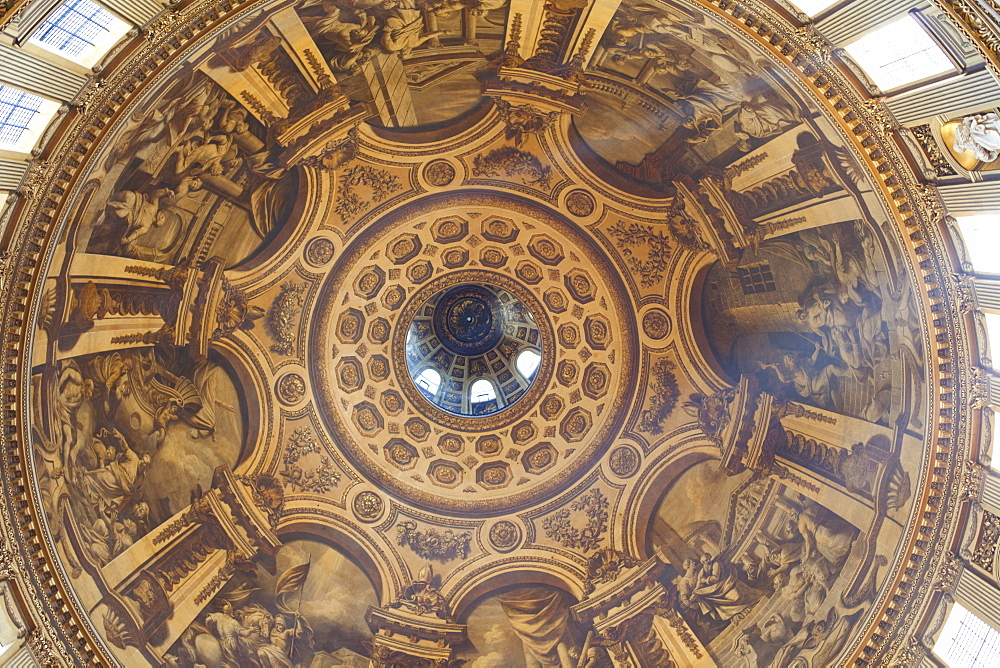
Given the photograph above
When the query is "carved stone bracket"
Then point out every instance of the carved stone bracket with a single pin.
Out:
(413, 636)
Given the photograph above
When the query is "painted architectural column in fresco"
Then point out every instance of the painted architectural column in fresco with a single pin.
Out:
(101, 310)
(527, 14)
(160, 584)
(632, 617)
(541, 69)
(147, 303)
(594, 21)
(279, 76)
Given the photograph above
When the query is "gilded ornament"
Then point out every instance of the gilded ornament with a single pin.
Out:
(439, 173)
(317, 479)
(504, 535)
(360, 187)
(663, 396)
(291, 389)
(320, 251)
(560, 528)
(367, 506)
(401, 454)
(551, 407)
(512, 162)
(656, 324)
(489, 446)
(624, 461)
(449, 230)
(493, 475)
(434, 545)
(925, 137)
(580, 203)
(444, 473)
(539, 458)
(985, 554)
(575, 425)
(545, 249)
(378, 367)
(369, 283)
(596, 378)
(646, 250)
(451, 444)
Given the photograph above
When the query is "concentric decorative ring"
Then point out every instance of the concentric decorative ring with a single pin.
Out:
(576, 313)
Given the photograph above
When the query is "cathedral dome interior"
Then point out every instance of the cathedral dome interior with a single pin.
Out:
(499, 333)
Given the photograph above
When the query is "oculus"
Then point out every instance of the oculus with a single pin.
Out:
(473, 349)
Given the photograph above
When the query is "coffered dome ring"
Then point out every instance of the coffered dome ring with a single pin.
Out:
(445, 461)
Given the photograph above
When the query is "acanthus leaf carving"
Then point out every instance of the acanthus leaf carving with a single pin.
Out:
(281, 318)
(559, 526)
(443, 546)
(317, 479)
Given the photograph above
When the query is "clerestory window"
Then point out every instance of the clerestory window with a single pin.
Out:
(80, 30)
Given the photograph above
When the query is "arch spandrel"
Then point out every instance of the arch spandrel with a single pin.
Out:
(726, 323)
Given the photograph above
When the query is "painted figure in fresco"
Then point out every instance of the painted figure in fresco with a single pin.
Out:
(475, 7)
(644, 27)
(540, 617)
(168, 125)
(757, 117)
(423, 597)
(712, 588)
(141, 212)
(351, 39)
(277, 653)
(404, 29)
(824, 534)
(212, 154)
(112, 374)
(980, 134)
(54, 491)
(234, 631)
(118, 484)
(231, 634)
(811, 381)
(72, 390)
(705, 106)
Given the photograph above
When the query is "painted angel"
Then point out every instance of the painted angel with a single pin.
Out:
(142, 212)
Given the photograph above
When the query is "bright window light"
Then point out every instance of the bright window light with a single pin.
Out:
(982, 237)
(80, 30)
(966, 641)
(482, 391)
(899, 53)
(429, 380)
(813, 7)
(23, 116)
(527, 363)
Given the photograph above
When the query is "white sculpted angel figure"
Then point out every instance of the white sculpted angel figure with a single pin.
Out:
(979, 133)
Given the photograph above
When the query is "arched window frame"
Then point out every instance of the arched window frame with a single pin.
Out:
(424, 382)
(481, 397)
(534, 369)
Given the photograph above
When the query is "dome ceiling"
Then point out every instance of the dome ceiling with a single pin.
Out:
(232, 291)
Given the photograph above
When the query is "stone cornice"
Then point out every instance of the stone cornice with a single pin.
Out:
(916, 210)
